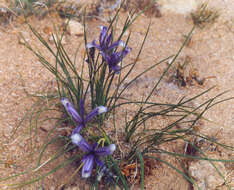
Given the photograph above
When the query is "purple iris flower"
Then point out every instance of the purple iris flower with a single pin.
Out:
(106, 48)
(93, 154)
(80, 119)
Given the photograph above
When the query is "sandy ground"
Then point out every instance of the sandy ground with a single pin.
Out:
(211, 51)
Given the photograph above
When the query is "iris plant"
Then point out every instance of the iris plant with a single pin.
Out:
(93, 154)
(107, 47)
(80, 119)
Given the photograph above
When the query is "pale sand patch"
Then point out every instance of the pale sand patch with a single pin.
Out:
(178, 6)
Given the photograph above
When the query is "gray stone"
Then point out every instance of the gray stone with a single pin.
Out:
(75, 28)
(205, 174)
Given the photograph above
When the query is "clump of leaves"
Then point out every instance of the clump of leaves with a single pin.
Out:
(204, 16)
(5, 15)
(149, 7)
(69, 9)
(31, 7)
(185, 74)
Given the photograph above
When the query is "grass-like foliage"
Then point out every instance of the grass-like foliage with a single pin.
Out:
(204, 16)
(88, 102)
(29, 7)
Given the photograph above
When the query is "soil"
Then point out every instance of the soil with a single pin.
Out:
(211, 54)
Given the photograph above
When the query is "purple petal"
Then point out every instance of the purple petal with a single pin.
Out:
(98, 110)
(77, 129)
(107, 150)
(94, 146)
(115, 58)
(80, 142)
(116, 44)
(125, 51)
(102, 170)
(105, 56)
(115, 68)
(71, 110)
(102, 34)
(99, 162)
(91, 56)
(93, 44)
(88, 166)
(82, 110)
(108, 39)
(118, 56)
(101, 109)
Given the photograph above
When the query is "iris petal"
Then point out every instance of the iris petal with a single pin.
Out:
(82, 110)
(115, 44)
(88, 166)
(81, 142)
(115, 58)
(102, 35)
(71, 110)
(99, 162)
(116, 69)
(93, 44)
(125, 52)
(107, 150)
(105, 56)
(91, 115)
(108, 40)
(107, 50)
(77, 129)
(96, 111)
